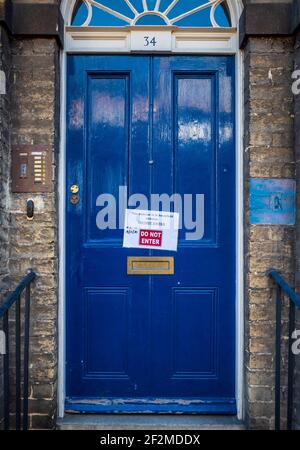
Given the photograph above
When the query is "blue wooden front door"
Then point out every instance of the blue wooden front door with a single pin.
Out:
(156, 124)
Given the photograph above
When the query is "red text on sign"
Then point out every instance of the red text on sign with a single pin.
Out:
(152, 238)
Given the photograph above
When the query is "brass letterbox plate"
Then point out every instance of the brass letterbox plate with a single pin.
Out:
(150, 265)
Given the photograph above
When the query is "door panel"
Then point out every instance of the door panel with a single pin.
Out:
(198, 152)
(107, 146)
(133, 339)
(197, 360)
(194, 107)
(107, 321)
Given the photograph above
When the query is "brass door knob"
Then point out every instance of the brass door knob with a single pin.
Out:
(74, 188)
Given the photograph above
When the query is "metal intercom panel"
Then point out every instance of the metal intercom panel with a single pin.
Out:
(31, 168)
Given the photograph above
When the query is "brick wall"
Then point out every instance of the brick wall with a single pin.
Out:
(297, 158)
(33, 244)
(5, 63)
(268, 152)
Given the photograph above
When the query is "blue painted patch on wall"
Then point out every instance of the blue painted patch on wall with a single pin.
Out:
(272, 201)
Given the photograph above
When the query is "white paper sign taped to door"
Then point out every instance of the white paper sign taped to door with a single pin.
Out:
(156, 230)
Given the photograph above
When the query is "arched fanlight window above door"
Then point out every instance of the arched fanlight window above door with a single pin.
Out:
(178, 13)
(175, 26)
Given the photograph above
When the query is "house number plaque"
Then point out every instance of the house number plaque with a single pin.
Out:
(151, 41)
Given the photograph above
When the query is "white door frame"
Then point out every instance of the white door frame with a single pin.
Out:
(193, 41)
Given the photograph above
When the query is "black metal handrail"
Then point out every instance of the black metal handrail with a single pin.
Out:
(15, 299)
(283, 288)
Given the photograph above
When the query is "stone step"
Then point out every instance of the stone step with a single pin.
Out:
(148, 422)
